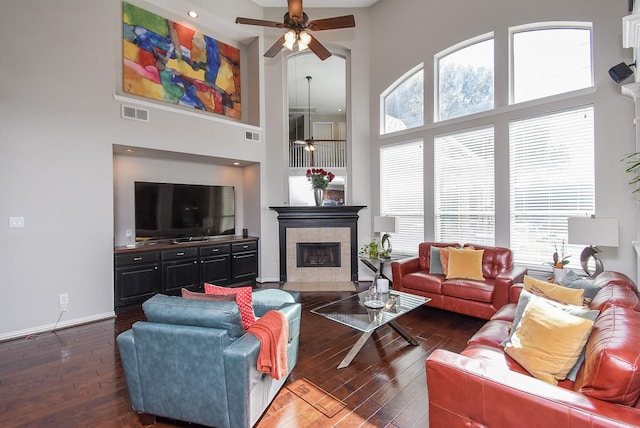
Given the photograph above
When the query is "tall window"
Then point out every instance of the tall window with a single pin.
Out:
(552, 178)
(465, 80)
(549, 61)
(401, 193)
(464, 187)
(403, 103)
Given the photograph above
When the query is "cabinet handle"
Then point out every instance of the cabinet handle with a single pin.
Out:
(137, 259)
(179, 254)
(245, 247)
(215, 250)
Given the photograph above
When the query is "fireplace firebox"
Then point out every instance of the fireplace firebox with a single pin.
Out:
(318, 254)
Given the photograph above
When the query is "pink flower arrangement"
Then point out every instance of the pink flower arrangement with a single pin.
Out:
(320, 178)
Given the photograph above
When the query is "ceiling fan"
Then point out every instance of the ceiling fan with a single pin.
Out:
(297, 22)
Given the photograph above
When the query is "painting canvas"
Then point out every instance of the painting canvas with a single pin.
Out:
(167, 61)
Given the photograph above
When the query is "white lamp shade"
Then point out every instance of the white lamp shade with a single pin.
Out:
(385, 224)
(593, 231)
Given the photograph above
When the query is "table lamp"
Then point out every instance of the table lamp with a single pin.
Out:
(593, 232)
(385, 225)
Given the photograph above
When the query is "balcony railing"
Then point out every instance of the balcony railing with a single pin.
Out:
(328, 154)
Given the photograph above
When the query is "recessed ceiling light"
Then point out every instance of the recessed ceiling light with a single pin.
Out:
(339, 109)
(193, 14)
(236, 163)
(129, 150)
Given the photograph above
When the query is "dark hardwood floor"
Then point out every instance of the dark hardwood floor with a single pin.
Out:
(73, 377)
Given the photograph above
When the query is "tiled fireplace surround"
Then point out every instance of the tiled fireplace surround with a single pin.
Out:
(318, 225)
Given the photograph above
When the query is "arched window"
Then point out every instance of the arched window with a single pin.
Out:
(402, 104)
(464, 79)
(549, 59)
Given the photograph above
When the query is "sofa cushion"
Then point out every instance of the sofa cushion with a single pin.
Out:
(188, 294)
(615, 295)
(465, 264)
(573, 280)
(491, 334)
(495, 260)
(243, 299)
(223, 315)
(548, 341)
(553, 291)
(611, 371)
(479, 291)
(435, 264)
(506, 313)
(579, 311)
(424, 282)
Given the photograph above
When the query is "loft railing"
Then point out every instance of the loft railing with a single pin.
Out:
(328, 154)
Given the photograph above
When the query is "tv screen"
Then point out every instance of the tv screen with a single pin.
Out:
(166, 210)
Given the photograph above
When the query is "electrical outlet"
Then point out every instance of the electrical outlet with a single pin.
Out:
(128, 233)
(64, 302)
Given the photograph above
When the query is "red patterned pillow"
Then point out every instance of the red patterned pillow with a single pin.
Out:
(243, 299)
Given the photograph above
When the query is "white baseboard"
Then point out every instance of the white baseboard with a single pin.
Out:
(62, 324)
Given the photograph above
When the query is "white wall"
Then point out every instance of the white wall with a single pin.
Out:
(60, 123)
(403, 40)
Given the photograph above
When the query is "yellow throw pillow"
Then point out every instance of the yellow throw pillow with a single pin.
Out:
(548, 341)
(465, 264)
(554, 292)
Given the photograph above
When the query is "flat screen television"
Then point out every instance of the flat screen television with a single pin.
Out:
(169, 211)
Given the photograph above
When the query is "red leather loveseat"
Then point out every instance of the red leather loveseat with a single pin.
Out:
(483, 386)
(477, 298)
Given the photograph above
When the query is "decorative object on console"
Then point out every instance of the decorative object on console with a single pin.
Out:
(621, 71)
(594, 232)
(559, 261)
(385, 225)
(319, 179)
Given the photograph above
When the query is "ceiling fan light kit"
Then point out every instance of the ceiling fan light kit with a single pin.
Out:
(297, 22)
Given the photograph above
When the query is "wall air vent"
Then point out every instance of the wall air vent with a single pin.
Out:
(135, 113)
(251, 136)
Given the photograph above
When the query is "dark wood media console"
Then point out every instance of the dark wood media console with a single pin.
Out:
(166, 267)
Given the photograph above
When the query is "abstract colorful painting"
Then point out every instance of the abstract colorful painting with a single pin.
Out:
(167, 61)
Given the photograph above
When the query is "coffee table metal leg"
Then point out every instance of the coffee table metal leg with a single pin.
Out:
(404, 333)
(354, 350)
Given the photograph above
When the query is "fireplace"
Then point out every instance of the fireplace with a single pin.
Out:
(325, 225)
(317, 254)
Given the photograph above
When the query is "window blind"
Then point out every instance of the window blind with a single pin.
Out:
(552, 178)
(464, 187)
(402, 195)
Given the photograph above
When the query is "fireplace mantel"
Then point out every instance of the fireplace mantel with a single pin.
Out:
(317, 217)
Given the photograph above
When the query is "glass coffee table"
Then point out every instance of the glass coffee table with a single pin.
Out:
(368, 313)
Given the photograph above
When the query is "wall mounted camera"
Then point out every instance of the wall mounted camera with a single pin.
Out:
(621, 71)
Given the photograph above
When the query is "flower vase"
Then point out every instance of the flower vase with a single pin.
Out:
(559, 274)
(318, 195)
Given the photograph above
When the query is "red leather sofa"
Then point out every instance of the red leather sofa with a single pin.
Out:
(479, 299)
(483, 386)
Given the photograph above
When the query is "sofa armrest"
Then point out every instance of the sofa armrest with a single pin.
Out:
(249, 391)
(469, 392)
(401, 268)
(503, 283)
(129, 359)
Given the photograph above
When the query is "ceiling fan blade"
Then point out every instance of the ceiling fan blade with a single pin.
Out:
(317, 48)
(261, 22)
(347, 21)
(295, 8)
(273, 50)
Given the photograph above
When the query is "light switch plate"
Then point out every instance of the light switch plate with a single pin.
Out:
(16, 221)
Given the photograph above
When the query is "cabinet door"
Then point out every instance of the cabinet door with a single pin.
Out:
(178, 274)
(215, 270)
(135, 284)
(245, 266)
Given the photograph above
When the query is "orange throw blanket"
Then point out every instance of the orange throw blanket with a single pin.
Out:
(272, 329)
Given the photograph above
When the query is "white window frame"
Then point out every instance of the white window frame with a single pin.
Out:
(551, 25)
(436, 71)
(391, 89)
